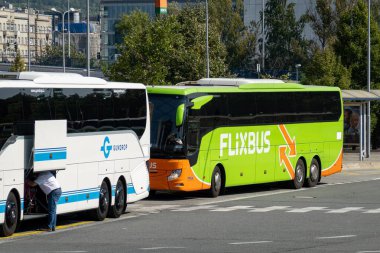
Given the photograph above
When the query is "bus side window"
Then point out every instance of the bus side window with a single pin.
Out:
(266, 106)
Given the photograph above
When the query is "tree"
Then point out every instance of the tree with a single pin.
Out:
(351, 44)
(52, 56)
(323, 20)
(325, 68)
(18, 65)
(168, 49)
(284, 42)
(240, 41)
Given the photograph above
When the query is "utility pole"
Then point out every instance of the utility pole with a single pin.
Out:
(88, 37)
(68, 25)
(28, 36)
(263, 48)
(368, 148)
(207, 48)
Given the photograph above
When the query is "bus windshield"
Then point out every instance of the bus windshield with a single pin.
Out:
(166, 137)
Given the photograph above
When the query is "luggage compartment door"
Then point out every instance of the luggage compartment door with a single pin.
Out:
(50, 145)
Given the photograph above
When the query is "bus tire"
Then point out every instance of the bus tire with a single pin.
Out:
(120, 200)
(216, 183)
(299, 175)
(315, 172)
(100, 213)
(11, 216)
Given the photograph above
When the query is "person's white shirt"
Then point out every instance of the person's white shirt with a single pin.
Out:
(47, 182)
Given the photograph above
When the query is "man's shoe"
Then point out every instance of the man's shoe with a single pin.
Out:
(53, 229)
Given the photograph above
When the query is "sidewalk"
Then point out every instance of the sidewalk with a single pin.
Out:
(351, 160)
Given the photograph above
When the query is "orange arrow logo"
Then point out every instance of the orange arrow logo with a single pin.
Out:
(285, 160)
(291, 143)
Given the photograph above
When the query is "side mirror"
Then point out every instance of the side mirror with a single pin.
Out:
(201, 101)
(179, 115)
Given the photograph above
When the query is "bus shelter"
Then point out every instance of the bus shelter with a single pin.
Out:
(357, 122)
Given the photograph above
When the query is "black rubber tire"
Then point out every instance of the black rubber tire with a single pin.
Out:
(101, 212)
(11, 216)
(315, 173)
(216, 183)
(299, 177)
(120, 200)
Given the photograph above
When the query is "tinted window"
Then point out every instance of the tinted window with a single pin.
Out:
(86, 110)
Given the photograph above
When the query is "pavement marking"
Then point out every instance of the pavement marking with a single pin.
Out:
(287, 191)
(253, 196)
(74, 225)
(230, 208)
(369, 251)
(373, 211)
(193, 208)
(307, 209)
(268, 209)
(345, 210)
(335, 237)
(161, 248)
(243, 243)
(71, 251)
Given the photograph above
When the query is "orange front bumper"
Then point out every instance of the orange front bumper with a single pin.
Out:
(160, 170)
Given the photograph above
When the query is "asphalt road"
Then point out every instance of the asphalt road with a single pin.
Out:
(341, 214)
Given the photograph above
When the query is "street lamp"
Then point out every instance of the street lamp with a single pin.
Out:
(297, 67)
(63, 33)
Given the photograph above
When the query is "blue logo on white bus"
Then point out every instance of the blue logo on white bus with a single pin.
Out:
(106, 149)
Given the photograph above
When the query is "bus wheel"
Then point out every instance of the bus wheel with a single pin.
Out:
(299, 177)
(118, 208)
(216, 182)
(314, 173)
(11, 216)
(104, 200)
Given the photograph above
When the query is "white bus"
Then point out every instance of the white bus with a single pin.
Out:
(92, 134)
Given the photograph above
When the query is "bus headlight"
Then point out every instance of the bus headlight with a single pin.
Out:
(175, 174)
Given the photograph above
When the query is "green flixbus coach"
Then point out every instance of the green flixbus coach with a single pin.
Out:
(216, 133)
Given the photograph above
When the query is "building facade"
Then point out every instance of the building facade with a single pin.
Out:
(14, 33)
(111, 12)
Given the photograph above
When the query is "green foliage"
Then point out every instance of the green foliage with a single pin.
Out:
(351, 44)
(322, 20)
(240, 41)
(325, 68)
(52, 56)
(285, 46)
(168, 49)
(18, 65)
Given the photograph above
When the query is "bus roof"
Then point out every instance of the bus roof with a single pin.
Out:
(245, 87)
(56, 79)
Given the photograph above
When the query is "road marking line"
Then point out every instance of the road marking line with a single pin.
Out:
(345, 210)
(335, 237)
(74, 225)
(160, 248)
(231, 208)
(69, 251)
(268, 209)
(369, 251)
(285, 191)
(307, 209)
(243, 243)
(193, 208)
(373, 211)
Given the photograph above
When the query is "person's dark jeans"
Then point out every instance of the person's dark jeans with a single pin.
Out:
(53, 198)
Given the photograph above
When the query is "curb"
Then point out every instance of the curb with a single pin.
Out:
(361, 165)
